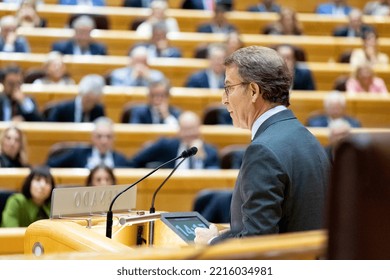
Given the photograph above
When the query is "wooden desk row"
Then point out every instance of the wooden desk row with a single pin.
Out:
(370, 109)
(119, 42)
(176, 69)
(121, 18)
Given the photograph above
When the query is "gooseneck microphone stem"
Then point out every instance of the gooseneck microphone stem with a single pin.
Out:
(109, 222)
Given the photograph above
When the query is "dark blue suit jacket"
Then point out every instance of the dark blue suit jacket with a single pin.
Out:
(165, 149)
(322, 121)
(261, 8)
(193, 4)
(34, 116)
(66, 47)
(74, 2)
(207, 28)
(169, 52)
(343, 31)
(303, 79)
(199, 80)
(64, 112)
(78, 158)
(143, 114)
(21, 45)
(134, 4)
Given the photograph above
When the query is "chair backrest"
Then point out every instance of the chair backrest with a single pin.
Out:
(4, 195)
(214, 205)
(340, 83)
(215, 114)
(231, 156)
(32, 74)
(127, 108)
(60, 148)
(359, 194)
(101, 21)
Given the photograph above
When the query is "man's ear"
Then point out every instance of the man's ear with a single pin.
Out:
(255, 91)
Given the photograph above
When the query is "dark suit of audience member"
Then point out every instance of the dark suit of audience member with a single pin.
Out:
(82, 43)
(14, 105)
(100, 152)
(137, 3)
(9, 40)
(206, 4)
(218, 24)
(86, 107)
(355, 26)
(323, 121)
(143, 114)
(265, 6)
(165, 149)
(214, 75)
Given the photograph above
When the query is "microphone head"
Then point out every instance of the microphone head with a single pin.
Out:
(189, 152)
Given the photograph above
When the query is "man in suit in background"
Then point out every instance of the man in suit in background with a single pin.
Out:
(282, 182)
(302, 76)
(86, 107)
(335, 8)
(14, 104)
(100, 152)
(158, 110)
(10, 41)
(218, 24)
(82, 43)
(355, 27)
(206, 4)
(137, 3)
(214, 75)
(265, 6)
(165, 149)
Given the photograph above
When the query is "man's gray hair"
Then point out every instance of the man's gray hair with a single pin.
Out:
(84, 21)
(92, 83)
(266, 68)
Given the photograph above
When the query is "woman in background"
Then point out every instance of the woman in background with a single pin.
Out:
(365, 80)
(287, 24)
(13, 148)
(33, 203)
(101, 175)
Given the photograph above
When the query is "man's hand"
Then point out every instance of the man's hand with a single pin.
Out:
(204, 235)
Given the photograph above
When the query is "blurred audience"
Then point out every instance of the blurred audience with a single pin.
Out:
(101, 175)
(233, 42)
(335, 106)
(269, 6)
(55, 71)
(207, 4)
(370, 52)
(218, 24)
(86, 107)
(34, 201)
(101, 150)
(27, 15)
(214, 75)
(137, 73)
(338, 130)
(13, 148)
(137, 3)
(10, 41)
(82, 2)
(287, 24)
(157, 110)
(82, 43)
(377, 8)
(302, 76)
(158, 45)
(14, 104)
(364, 80)
(164, 149)
(158, 15)
(355, 27)
(334, 8)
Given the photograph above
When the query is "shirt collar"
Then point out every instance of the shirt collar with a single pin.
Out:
(260, 120)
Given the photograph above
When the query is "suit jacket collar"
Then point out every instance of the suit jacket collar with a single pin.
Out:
(278, 117)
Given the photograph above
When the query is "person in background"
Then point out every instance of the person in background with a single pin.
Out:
(364, 80)
(13, 148)
(137, 3)
(34, 201)
(101, 150)
(282, 184)
(214, 75)
(138, 72)
(377, 8)
(14, 104)
(55, 71)
(338, 130)
(87, 3)
(265, 6)
(334, 8)
(355, 27)
(101, 175)
(369, 53)
(218, 24)
(27, 15)
(164, 149)
(9, 40)
(233, 42)
(335, 106)
(86, 107)
(159, 10)
(207, 4)
(302, 76)
(158, 110)
(82, 43)
(287, 24)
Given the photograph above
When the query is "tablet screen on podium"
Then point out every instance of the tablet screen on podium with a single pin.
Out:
(184, 223)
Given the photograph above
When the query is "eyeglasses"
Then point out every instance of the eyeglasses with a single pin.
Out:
(228, 88)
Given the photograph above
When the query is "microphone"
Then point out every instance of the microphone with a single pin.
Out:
(185, 154)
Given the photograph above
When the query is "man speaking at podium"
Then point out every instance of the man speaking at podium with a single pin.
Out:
(281, 186)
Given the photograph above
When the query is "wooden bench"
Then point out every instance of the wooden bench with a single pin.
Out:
(12, 241)
(176, 69)
(119, 42)
(121, 18)
(370, 109)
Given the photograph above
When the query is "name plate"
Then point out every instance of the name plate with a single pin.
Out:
(79, 201)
